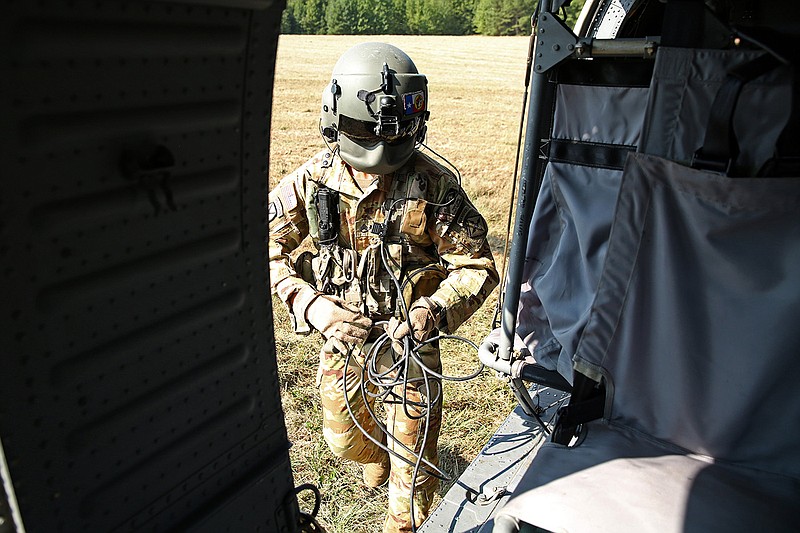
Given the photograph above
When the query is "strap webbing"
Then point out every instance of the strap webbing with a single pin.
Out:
(787, 150)
(586, 403)
(597, 155)
(720, 147)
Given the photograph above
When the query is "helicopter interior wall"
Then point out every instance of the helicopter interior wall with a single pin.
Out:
(139, 373)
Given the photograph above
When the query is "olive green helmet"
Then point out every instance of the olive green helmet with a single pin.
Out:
(375, 107)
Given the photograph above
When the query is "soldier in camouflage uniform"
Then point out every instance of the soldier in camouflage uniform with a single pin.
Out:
(400, 248)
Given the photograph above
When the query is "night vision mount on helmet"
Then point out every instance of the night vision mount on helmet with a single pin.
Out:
(375, 107)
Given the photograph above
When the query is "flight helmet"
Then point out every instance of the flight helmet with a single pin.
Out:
(375, 107)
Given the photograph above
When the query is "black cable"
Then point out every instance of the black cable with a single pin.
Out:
(410, 354)
(308, 521)
(397, 375)
(348, 358)
(759, 44)
(400, 367)
(369, 377)
(468, 377)
(443, 158)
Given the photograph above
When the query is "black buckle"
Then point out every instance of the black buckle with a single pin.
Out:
(702, 162)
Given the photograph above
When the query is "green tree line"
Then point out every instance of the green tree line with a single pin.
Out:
(414, 17)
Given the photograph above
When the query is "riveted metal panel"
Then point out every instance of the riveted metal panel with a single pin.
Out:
(609, 18)
(139, 385)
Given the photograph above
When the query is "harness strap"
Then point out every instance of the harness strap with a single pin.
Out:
(720, 148)
(787, 150)
(586, 403)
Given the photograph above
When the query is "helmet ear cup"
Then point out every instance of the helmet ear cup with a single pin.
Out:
(330, 133)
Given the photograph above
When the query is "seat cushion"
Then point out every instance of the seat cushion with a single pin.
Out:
(619, 480)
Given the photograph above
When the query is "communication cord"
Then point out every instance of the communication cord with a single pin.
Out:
(397, 375)
(308, 521)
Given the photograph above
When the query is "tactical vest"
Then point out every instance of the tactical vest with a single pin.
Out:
(369, 279)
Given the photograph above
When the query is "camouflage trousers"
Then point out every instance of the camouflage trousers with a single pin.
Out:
(404, 422)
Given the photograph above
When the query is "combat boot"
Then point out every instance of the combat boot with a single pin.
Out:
(376, 474)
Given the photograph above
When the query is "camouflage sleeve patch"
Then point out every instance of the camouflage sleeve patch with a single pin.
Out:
(458, 222)
(460, 234)
(474, 224)
(288, 196)
(283, 208)
(287, 227)
(274, 210)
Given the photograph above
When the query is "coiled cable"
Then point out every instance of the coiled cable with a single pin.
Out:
(397, 376)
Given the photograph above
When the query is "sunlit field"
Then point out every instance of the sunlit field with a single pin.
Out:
(476, 93)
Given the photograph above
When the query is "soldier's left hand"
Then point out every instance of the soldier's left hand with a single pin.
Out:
(423, 316)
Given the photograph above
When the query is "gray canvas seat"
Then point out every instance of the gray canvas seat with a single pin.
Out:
(693, 331)
(571, 221)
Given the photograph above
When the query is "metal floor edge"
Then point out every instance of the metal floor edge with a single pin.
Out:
(489, 481)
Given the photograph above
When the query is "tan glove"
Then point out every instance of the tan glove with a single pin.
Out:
(423, 315)
(338, 322)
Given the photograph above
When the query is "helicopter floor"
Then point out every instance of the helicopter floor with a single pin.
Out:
(487, 483)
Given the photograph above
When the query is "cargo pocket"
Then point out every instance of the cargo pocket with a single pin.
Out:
(379, 286)
(414, 218)
(304, 266)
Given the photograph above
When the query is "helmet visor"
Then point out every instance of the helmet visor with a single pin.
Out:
(369, 133)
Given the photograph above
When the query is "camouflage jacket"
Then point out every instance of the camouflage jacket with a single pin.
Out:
(412, 233)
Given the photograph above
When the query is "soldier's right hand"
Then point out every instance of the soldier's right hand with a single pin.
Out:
(335, 320)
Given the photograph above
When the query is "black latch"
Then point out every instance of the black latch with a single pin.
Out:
(151, 168)
(378, 229)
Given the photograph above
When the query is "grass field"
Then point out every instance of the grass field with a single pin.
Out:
(476, 90)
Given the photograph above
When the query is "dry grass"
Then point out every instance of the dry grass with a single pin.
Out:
(476, 87)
